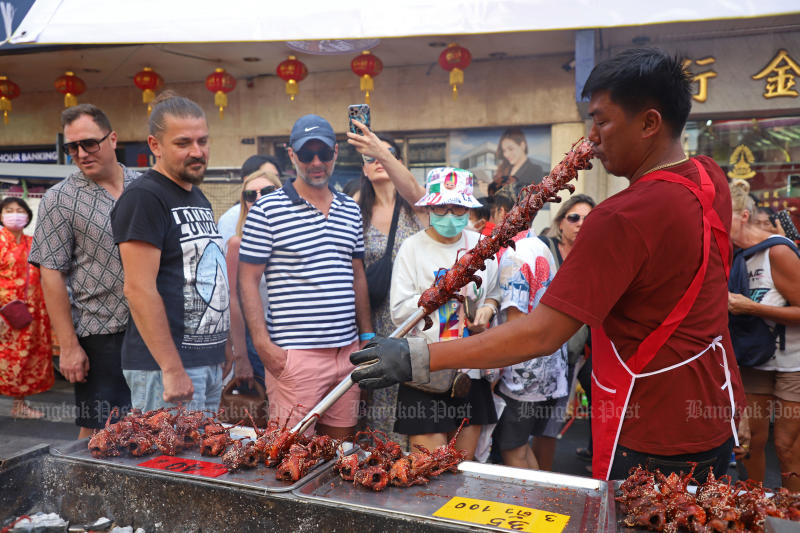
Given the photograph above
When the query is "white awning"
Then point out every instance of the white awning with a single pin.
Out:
(164, 21)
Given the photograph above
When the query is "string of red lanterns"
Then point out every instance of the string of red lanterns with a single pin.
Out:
(292, 71)
(366, 66)
(71, 86)
(148, 81)
(8, 91)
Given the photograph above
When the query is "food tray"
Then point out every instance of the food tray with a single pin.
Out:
(585, 501)
(260, 478)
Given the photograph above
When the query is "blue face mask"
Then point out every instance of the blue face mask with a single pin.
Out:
(449, 225)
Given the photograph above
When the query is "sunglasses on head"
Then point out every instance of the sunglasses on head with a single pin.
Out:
(369, 160)
(252, 196)
(442, 210)
(325, 154)
(89, 146)
(574, 217)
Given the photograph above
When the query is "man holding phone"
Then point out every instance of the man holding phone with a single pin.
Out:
(308, 240)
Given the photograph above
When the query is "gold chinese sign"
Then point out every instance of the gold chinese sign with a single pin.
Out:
(782, 82)
(741, 159)
(701, 78)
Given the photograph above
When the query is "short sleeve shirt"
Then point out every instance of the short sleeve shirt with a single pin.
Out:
(73, 235)
(525, 274)
(192, 276)
(633, 259)
(308, 260)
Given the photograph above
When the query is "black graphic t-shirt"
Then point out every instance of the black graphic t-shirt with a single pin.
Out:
(192, 279)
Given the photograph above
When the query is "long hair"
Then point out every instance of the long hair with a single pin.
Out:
(504, 167)
(555, 227)
(366, 193)
(243, 209)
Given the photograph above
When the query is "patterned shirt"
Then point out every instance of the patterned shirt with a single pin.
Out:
(525, 274)
(309, 267)
(73, 236)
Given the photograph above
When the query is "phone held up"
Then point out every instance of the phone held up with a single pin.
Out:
(359, 112)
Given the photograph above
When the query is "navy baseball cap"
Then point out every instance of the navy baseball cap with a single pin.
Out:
(311, 127)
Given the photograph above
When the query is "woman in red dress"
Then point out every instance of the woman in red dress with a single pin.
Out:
(26, 364)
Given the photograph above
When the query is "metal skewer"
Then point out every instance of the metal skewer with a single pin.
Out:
(338, 391)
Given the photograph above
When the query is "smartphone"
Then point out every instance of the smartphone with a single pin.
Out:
(360, 112)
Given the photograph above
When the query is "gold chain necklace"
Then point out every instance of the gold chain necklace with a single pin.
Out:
(665, 165)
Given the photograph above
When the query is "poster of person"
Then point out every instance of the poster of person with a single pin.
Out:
(514, 156)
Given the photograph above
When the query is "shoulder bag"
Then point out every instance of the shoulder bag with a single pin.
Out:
(16, 312)
(379, 273)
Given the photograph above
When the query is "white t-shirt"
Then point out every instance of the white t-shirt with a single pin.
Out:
(763, 290)
(419, 259)
(525, 274)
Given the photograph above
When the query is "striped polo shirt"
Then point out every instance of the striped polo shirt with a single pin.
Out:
(308, 262)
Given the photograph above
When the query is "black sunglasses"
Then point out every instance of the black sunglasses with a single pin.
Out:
(442, 210)
(369, 160)
(89, 146)
(325, 154)
(252, 196)
(574, 217)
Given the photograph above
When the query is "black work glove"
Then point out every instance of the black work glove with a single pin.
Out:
(392, 363)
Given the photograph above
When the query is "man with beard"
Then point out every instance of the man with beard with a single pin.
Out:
(175, 278)
(309, 240)
(81, 270)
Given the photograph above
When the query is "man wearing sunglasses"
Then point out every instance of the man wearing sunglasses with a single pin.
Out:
(81, 271)
(307, 240)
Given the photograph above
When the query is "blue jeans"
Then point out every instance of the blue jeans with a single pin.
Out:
(255, 360)
(147, 388)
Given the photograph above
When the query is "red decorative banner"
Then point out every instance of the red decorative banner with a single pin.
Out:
(185, 466)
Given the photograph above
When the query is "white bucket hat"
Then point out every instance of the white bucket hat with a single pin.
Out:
(449, 186)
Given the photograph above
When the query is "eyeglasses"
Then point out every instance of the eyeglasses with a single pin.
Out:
(369, 160)
(442, 210)
(89, 146)
(574, 217)
(307, 156)
(252, 196)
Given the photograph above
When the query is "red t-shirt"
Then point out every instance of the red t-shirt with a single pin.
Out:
(633, 259)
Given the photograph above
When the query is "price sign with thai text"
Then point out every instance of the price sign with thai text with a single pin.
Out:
(502, 515)
(185, 466)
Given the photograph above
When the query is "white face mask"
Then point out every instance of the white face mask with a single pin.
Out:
(15, 221)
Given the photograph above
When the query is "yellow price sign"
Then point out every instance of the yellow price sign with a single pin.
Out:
(502, 515)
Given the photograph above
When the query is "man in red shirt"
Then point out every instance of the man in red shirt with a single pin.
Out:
(648, 273)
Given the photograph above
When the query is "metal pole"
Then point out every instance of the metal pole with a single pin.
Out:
(343, 386)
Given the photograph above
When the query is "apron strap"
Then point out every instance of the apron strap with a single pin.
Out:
(711, 224)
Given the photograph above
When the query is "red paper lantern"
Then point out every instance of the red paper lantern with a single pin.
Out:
(148, 81)
(220, 83)
(292, 71)
(71, 86)
(8, 91)
(366, 66)
(455, 59)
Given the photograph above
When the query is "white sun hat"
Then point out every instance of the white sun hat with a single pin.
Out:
(449, 186)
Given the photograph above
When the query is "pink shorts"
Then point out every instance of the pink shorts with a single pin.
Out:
(307, 377)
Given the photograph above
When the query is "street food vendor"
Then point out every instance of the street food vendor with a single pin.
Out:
(648, 274)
